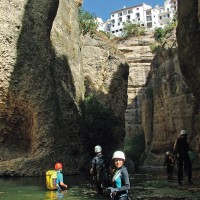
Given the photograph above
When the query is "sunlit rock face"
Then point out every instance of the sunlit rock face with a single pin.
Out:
(168, 103)
(139, 57)
(106, 78)
(188, 37)
(41, 87)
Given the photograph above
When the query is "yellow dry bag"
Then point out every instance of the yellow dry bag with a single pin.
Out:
(51, 177)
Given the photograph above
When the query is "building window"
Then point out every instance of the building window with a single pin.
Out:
(130, 11)
(137, 15)
(120, 14)
(120, 19)
(149, 25)
(149, 18)
(168, 16)
(124, 12)
(160, 17)
(148, 12)
(137, 8)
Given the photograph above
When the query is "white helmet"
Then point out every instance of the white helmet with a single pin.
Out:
(119, 154)
(183, 132)
(97, 149)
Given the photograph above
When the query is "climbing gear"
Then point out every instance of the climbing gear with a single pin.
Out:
(58, 166)
(51, 177)
(119, 154)
(97, 149)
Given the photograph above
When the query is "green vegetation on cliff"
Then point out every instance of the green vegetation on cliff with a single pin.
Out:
(87, 22)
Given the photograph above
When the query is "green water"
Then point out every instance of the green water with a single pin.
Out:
(34, 188)
(145, 185)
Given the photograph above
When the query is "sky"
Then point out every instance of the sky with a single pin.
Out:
(103, 8)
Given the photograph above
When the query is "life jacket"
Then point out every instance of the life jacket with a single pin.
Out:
(51, 177)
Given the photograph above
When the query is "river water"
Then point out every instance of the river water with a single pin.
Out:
(145, 184)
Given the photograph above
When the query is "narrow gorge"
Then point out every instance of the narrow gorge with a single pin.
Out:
(61, 93)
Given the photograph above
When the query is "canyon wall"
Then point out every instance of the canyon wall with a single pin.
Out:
(41, 86)
(188, 37)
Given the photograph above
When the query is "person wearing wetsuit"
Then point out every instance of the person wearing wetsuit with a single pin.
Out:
(181, 148)
(120, 179)
(100, 170)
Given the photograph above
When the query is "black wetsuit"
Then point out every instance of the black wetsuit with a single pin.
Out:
(181, 148)
(121, 182)
(100, 170)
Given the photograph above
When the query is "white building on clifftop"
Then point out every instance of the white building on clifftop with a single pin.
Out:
(143, 14)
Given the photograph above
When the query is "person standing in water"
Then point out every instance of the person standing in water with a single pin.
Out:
(59, 181)
(120, 178)
(100, 170)
(169, 164)
(181, 148)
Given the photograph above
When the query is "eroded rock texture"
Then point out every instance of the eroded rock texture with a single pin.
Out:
(188, 37)
(41, 86)
(167, 106)
(106, 78)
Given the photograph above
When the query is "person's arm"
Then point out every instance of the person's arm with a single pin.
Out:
(126, 185)
(61, 183)
(92, 169)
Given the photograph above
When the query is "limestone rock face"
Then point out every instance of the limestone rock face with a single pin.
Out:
(169, 103)
(139, 57)
(188, 37)
(41, 86)
(106, 77)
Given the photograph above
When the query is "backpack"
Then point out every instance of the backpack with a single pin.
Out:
(51, 178)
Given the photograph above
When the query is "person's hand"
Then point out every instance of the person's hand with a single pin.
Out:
(112, 190)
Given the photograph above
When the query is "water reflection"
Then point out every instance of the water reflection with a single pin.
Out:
(145, 184)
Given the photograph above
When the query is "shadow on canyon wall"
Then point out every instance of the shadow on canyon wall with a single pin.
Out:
(104, 113)
(42, 123)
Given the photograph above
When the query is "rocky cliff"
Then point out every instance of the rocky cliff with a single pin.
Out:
(167, 106)
(42, 86)
(188, 37)
(106, 76)
(139, 57)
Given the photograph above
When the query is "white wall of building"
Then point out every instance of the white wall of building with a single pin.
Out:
(143, 14)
